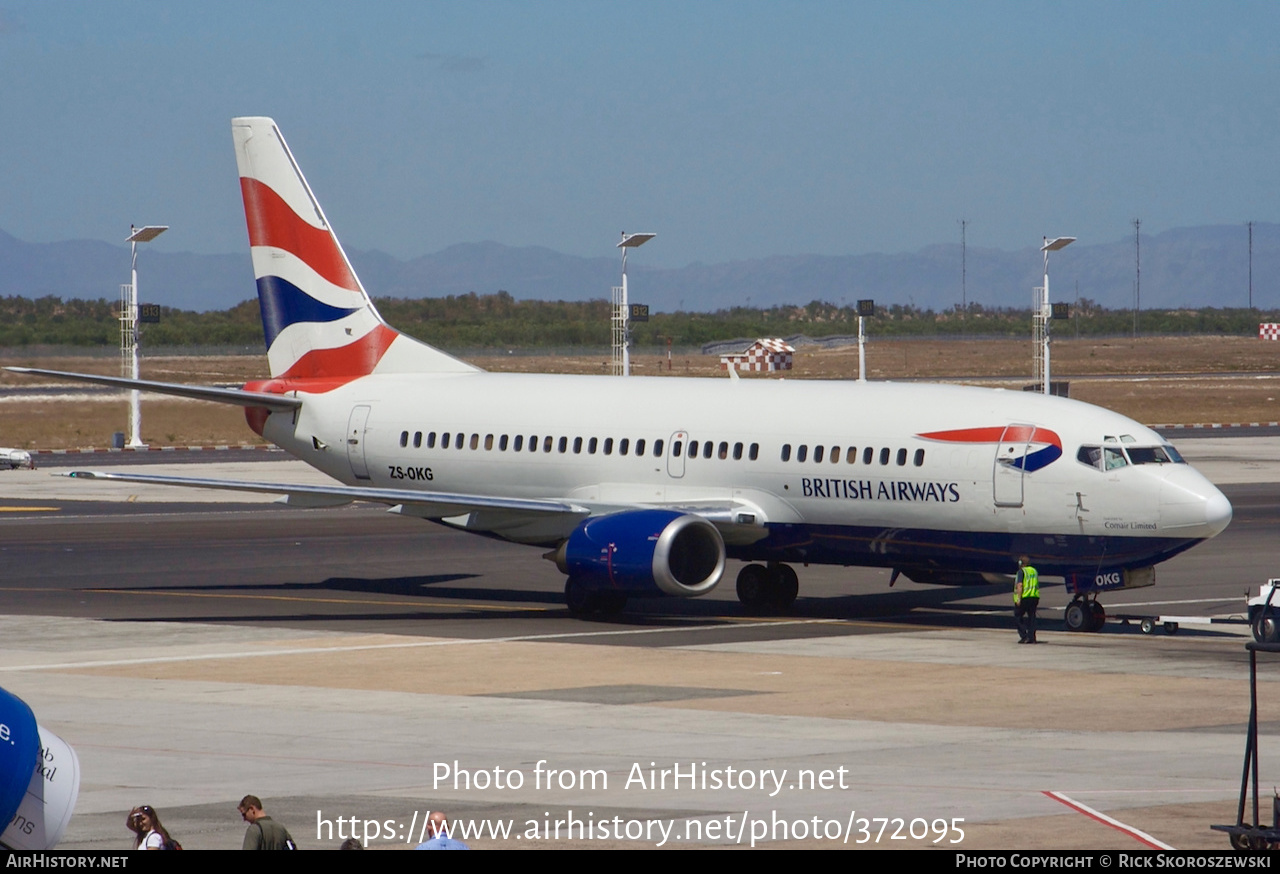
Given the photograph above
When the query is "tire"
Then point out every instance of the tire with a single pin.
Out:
(753, 586)
(1266, 629)
(786, 588)
(1148, 626)
(611, 603)
(1097, 616)
(577, 597)
(1077, 616)
(1171, 628)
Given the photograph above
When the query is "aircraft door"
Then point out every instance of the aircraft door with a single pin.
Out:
(1007, 474)
(675, 453)
(355, 441)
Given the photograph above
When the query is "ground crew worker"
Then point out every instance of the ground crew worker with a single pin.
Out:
(1026, 598)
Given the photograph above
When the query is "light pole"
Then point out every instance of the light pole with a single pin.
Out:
(622, 310)
(1046, 312)
(129, 326)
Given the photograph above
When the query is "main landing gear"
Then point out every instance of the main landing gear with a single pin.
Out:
(585, 601)
(767, 588)
(1084, 614)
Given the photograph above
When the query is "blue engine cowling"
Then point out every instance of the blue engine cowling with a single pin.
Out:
(645, 552)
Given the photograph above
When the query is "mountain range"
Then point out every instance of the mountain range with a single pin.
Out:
(1183, 267)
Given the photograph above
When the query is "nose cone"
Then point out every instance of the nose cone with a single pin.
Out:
(1190, 504)
(1217, 512)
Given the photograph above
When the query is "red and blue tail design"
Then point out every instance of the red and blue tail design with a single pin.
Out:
(1028, 436)
(318, 320)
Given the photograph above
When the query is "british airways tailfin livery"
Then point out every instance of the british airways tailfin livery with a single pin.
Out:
(643, 487)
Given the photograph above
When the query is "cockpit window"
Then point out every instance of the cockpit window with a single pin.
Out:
(1113, 458)
(1174, 454)
(1090, 455)
(1148, 455)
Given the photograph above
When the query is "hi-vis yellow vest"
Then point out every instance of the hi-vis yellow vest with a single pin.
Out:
(1030, 582)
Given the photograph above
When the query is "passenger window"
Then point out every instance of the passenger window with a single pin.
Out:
(835, 454)
(592, 445)
(706, 449)
(518, 444)
(502, 443)
(693, 449)
(884, 455)
(902, 458)
(919, 459)
(657, 449)
(564, 444)
(723, 451)
(533, 444)
(404, 438)
(417, 439)
(786, 451)
(608, 445)
(852, 457)
(431, 440)
(577, 446)
(475, 441)
(460, 440)
(640, 447)
(755, 451)
(548, 442)
(675, 448)
(802, 453)
(817, 453)
(737, 452)
(624, 444)
(867, 455)
(488, 443)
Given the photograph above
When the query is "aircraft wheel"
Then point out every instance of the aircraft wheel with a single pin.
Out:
(1077, 616)
(753, 586)
(1266, 629)
(1097, 616)
(611, 603)
(787, 587)
(577, 597)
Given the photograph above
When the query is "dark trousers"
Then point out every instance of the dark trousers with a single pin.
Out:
(1025, 612)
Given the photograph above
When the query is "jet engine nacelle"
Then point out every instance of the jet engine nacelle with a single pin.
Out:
(645, 553)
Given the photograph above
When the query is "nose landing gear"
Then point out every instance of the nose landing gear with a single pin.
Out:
(1084, 614)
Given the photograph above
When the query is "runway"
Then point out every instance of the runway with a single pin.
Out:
(333, 661)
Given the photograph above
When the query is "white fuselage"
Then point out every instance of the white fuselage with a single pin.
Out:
(869, 490)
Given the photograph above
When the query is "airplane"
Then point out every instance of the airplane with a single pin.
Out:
(643, 487)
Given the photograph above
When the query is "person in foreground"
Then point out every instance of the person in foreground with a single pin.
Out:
(264, 833)
(438, 824)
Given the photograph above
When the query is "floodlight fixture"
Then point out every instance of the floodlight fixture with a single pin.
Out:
(129, 326)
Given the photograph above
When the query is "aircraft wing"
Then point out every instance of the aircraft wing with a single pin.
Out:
(427, 505)
(237, 396)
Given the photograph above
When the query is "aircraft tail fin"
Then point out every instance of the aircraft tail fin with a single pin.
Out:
(318, 320)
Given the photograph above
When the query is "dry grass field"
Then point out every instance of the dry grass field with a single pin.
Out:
(1183, 380)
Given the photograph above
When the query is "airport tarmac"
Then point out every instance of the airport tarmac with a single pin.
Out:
(346, 663)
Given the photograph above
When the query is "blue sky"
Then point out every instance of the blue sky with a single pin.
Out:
(733, 129)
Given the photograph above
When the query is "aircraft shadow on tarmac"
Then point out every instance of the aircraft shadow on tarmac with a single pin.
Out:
(950, 606)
